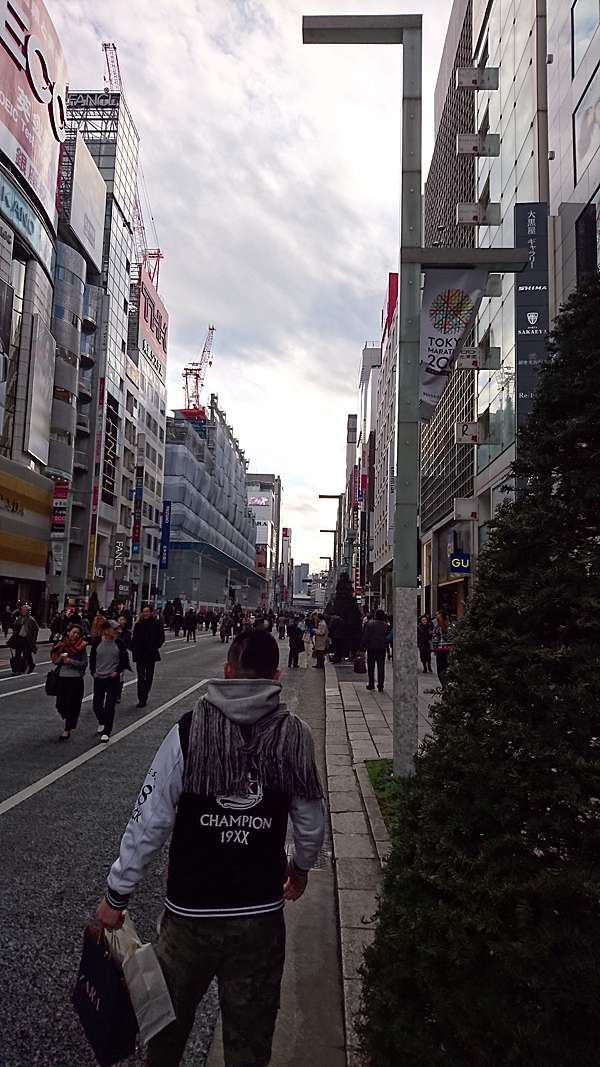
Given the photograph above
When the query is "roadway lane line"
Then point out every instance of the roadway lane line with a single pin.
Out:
(15, 692)
(60, 772)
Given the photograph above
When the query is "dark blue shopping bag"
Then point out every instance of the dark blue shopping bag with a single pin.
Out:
(102, 1002)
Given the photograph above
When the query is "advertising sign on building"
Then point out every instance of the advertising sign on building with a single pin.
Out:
(451, 299)
(138, 496)
(33, 76)
(58, 517)
(151, 335)
(460, 564)
(111, 443)
(531, 303)
(120, 555)
(39, 391)
(165, 535)
(88, 203)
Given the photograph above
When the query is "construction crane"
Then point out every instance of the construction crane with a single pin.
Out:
(195, 373)
(149, 257)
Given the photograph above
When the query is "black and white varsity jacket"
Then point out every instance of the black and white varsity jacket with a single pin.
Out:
(227, 856)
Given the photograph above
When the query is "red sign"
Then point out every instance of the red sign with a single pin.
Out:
(153, 325)
(33, 76)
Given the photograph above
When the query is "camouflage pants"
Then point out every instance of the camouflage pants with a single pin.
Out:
(247, 957)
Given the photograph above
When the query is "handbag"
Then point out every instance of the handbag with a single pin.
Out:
(52, 681)
(145, 980)
(360, 667)
(102, 1002)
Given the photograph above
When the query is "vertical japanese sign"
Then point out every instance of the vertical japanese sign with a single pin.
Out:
(136, 536)
(531, 303)
(165, 535)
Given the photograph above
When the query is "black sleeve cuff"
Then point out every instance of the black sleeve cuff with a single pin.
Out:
(116, 900)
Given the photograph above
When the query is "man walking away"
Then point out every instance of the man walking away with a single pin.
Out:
(108, 660)
(190, 624)
(224, 781)
(148, 637)
(25, 637)
(296, 639)
(374, 643)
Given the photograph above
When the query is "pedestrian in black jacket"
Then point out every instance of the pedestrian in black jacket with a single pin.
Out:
(424, 633)
(296, 639)
(108, 660)
(374, 643)
(148, 637)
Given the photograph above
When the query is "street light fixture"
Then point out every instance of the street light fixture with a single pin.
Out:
(407, 31)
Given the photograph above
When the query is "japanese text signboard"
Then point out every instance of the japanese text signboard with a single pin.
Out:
(33, 77)
(531, 303)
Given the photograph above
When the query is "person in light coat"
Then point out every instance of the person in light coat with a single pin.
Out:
(321, 642)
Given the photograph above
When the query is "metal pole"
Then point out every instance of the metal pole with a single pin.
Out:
(406, 720)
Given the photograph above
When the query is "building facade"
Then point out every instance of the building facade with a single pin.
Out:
(511, 38)
(211, 549)
(573, 142)
(31, 136)
(363, 482)
(264, 500)
(384, 485)
(301, 573)
(448, 469)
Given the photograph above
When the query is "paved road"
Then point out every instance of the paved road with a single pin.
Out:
(62, 810)
(57, 844)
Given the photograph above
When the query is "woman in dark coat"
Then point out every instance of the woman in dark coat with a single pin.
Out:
(424, 631)
(71, 654)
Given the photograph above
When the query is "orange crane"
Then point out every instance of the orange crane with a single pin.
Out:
(195, 373)
(150, 257)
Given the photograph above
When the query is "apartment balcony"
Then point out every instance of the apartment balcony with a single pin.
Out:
(84, 388)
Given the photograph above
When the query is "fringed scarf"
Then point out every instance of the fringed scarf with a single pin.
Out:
(222, 756)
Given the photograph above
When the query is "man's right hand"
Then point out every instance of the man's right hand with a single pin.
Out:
(296, 884)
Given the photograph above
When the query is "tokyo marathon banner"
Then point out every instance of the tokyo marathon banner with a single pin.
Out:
(451, 300)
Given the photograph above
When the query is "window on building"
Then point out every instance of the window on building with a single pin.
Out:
(586, 126)
(585, 16)
(148, 541)
(125, 306)
(586, 237)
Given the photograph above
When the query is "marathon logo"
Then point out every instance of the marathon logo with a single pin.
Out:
(253, 822)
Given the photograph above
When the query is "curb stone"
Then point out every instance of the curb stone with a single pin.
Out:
(361, 844)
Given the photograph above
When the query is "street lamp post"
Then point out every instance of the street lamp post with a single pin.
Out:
(405, 30)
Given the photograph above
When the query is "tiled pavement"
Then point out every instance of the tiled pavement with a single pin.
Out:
(359, 728)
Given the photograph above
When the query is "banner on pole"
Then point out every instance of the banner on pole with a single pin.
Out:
(451, 300)
(165, 535)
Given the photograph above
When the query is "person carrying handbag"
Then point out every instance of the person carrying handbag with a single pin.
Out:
(70, 658)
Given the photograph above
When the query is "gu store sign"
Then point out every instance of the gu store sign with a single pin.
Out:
(33, 78)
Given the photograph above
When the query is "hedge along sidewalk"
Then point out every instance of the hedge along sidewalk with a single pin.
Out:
(359, 728)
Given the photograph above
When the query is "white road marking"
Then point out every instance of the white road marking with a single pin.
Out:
(60, 772)
(28, 689)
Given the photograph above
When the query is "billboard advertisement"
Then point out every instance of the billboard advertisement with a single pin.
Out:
(165, 535)
(39, 391)
(88, 203)
(152, 326)
(451, 300)
(532, 316)
(33, 76)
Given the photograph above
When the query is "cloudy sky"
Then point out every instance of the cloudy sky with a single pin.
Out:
(272, 169)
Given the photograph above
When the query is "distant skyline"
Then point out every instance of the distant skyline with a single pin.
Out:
(273, 173)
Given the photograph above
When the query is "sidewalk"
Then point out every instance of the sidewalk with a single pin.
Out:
(359, 728)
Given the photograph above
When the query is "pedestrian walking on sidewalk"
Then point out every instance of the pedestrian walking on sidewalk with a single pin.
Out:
(24, 640)
(296, 639)
(424, 633)
(224, 782)
(108, 660)
(321, 642)
(70, 658)
(374, 642)
(442, 643)
(125, 637)
(148, 638)
(190, 622)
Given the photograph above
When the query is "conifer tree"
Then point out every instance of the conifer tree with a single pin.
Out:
(487, 948)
